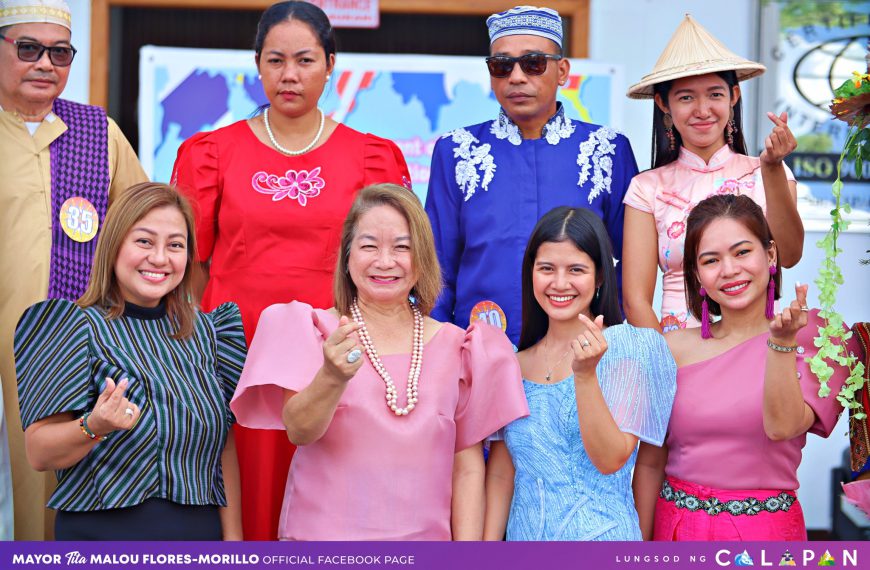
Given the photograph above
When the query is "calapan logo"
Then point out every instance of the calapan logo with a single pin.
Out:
(804, 558)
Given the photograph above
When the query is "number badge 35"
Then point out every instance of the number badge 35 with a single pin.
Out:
(79, 219)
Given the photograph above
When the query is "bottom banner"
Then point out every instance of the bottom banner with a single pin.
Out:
(437, 555)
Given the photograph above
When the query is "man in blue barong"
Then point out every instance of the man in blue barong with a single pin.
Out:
(490, 183)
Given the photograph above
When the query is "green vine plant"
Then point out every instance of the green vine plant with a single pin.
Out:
(852, 104)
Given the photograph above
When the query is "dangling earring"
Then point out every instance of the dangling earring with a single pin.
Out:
(771, 291)
(730, 129)
(260, 76)
(668, 122)
(705, 315)
(597, 292)
(328, 76)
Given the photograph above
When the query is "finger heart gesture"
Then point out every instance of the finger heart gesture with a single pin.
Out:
(780, 142)
(785, 326)
(342, 352)
(588, 347)
(113, 411)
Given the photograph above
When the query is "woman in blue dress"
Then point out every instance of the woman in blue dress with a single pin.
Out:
(594, 386)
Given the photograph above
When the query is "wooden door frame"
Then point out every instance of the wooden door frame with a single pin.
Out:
(577, 10)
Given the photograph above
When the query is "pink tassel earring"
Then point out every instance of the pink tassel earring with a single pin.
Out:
(668, 122)
(705, 315)
(771, 291)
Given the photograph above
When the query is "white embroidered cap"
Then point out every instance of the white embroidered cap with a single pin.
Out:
(35, 12)
(527, 21)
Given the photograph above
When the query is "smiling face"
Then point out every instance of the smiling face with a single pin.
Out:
(28, 84)
(381, 259)
(528, 98)
(700, 107)
(563, 280)
(153, 257)
(293, 66)
(733, 265)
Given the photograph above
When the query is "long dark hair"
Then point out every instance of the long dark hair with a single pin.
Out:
(302, 11)
(740, 208)
(661, 151)
(587, 232)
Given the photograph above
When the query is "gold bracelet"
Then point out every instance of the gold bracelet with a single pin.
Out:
(780, 347)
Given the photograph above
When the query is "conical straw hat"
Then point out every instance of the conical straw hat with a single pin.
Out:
(693, 51)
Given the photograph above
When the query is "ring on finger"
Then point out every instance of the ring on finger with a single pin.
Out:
(129, 411)
(354, 355)
(805, 309)
(584, 343)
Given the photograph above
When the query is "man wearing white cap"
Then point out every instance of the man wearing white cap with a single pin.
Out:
(490, 183)
(59, 164)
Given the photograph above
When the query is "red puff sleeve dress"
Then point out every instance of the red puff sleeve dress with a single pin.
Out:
(271, 224)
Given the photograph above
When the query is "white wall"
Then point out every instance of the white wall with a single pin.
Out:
(78, 87)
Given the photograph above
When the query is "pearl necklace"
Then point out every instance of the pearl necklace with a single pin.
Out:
(416, 360)
(287, 151)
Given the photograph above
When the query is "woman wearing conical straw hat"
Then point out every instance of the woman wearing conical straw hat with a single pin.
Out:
(698, 150)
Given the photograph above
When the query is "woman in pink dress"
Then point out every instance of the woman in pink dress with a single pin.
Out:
(746, 397)
(698, 151)
(387, 406)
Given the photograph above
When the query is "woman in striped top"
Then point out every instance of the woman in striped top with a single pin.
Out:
(125, 392)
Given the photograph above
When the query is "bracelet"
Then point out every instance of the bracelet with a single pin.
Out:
(781, 348)
(83, 424)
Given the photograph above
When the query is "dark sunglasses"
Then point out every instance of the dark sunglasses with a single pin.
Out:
(531, 64)
(60, 56)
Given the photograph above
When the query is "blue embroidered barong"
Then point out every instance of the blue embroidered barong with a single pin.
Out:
(488, 187)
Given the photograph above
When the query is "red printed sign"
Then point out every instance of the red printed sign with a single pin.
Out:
(351, 13)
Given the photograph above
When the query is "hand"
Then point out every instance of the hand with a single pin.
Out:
(588, 347)
(110, 411)
(785, 326)
(336, 348)
(779, 143)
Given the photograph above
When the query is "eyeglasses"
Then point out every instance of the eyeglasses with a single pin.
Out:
(60, 56)
(531, 64)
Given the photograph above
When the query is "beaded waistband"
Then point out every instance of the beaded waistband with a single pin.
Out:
(712, 506)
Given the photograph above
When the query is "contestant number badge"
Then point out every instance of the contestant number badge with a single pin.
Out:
(79, 219)
(490, 313)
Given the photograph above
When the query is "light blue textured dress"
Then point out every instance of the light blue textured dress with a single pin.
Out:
(558, 492)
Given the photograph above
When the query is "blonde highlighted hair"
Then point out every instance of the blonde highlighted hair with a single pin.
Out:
(131, 206)
(423, 257)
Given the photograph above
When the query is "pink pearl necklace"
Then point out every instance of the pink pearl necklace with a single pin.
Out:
(416, 360)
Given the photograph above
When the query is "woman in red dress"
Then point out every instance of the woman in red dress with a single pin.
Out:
(271, 193)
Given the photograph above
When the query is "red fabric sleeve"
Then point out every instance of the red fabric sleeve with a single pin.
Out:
(196, 175)
(384, 162)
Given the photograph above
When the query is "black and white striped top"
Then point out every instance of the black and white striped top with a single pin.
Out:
(183, 387)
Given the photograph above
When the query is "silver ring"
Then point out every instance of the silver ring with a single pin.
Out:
(584, 343)
(354, 355)
(805, 309)
(129, 411)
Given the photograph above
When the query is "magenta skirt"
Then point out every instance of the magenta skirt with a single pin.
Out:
(686, 511)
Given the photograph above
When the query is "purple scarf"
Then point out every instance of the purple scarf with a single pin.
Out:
(79, 167)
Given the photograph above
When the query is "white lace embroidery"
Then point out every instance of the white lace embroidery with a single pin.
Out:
(504, 128)
(593, 155)
(559, 128)
(473, 158)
